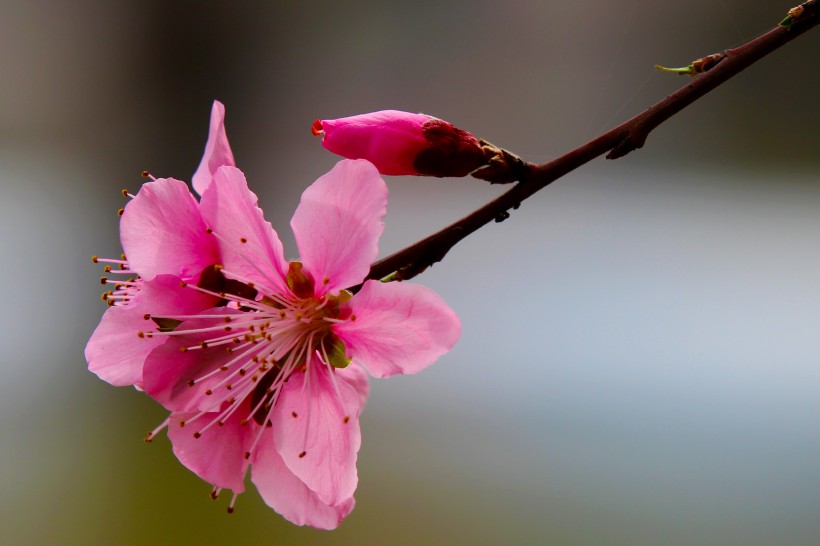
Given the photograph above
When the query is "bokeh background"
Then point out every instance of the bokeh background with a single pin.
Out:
(640, 349)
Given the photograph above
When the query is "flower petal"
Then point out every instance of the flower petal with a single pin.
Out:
(181, 380)
(162, 231)
(316, 432)
(288, 495)
(398, 328)
(338, 224)
(217, 150)
(357, 378)
(115, 352)
(250, 249)
(218, 454)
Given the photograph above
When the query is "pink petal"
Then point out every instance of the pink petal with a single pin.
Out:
(249, 246)
(217, 150)
(115, 353)
(357, 378)
(317, 433)
(288, 495)
(169, 370)
(218, 455)
(398, 328)
(162, 231)
(338, 224)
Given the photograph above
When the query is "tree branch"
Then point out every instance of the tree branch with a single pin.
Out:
(618, 142)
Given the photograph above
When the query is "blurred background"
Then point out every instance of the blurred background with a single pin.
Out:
(640, 353)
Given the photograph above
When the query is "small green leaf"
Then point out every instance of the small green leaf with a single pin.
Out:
(336, 351)
(166, 324)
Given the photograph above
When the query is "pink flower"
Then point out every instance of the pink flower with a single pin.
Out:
(401, 143)
(271, 377)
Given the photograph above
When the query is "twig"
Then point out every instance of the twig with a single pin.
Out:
(618, 142)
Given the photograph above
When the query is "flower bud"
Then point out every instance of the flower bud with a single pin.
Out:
(401, 143)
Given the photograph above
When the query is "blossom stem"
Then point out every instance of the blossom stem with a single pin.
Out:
(616, 143)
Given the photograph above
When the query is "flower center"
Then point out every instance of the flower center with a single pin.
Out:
(254, 341)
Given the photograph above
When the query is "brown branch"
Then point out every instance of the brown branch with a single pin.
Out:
(618, 142)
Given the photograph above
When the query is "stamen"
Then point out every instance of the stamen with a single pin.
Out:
(332, 374)
(151, 435)
(233, 503)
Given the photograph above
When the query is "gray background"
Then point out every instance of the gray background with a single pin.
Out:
(639, 359)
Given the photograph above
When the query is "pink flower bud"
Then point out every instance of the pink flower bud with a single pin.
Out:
(400, 143)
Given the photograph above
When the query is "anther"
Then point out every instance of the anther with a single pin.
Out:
(214, 494)
(103, 280)
(145, 174)
(124, 192)
(302, 454)
(326, 280)
(141, 335)
(294, 414)
(243, 240)
(208, 230)
(197, 435)
(146, 316)
(181, 423)
(191, 382)
(247, 454)
(120, 212)
(346, 419)
(95, 259)
(183, 284)
(209, 392)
